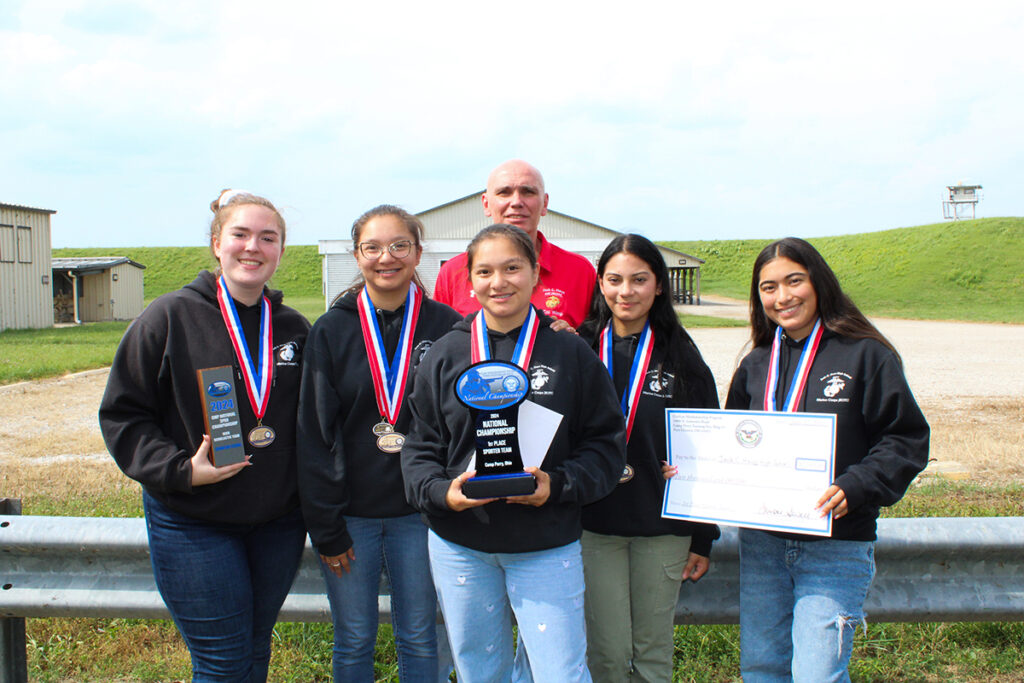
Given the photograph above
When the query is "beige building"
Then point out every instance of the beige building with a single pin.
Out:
(93, 289)
(25, 293)
(449, 228)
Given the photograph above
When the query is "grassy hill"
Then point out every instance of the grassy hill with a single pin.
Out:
(964, 270)
(168, 268)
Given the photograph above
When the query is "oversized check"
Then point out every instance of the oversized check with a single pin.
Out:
(751, 469)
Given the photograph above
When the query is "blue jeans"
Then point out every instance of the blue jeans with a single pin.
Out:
(397, 545)
(224, 585)
(479, 592)
(800, 603)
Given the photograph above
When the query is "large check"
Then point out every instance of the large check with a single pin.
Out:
(751, 469)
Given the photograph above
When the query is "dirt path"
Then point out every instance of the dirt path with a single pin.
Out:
(968, 378)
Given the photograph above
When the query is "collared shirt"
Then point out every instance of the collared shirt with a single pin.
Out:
(564, 287)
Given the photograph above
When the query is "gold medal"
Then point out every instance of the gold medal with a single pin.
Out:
(262, 436)
(391, 442)
(383, 427)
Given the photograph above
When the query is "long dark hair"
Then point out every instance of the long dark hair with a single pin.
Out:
(682, 357)
(414, 225)
(837, 311)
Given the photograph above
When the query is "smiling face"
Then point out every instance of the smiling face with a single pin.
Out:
(249, 248)
(388, 277)
(629, 287)
(515, 196)
(788, 296)
(503, 280)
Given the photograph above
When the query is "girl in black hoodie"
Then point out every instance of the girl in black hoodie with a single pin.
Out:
(633, 558)
(491, 557)
(226, 541)
(360, 359)
(802, 596)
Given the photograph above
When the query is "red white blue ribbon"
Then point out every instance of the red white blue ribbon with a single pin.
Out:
(637, 371)
(389, 380)
(480, 346)
(803, 369)
(257, 375)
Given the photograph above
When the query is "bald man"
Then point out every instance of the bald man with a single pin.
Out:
(515, 195)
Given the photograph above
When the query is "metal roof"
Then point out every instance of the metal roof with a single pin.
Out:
(81, 264)
(25, 208)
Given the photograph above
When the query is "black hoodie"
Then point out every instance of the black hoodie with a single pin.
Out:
(341, 470)
(881, 435)
(633, 508)
(152, 419)
(584, 459)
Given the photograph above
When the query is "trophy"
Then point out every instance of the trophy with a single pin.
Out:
(220, 414)
(492, 391)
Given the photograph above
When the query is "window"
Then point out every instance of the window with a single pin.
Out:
(24, 244)
(7, 243)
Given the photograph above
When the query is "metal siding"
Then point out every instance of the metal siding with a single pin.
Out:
(94, 305)
(127, 292)
(465, 218)
(461, 220)
(25, 301)
(341, 274)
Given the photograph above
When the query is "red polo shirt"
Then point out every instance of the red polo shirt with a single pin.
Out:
(563, 290)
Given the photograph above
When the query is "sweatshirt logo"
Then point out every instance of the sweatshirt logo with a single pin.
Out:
(835, 383)
(286, 353)
(421, 350)
(659, 383)
(539, 377)
(834, 386)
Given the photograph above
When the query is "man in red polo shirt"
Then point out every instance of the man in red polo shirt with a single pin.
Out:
(515, 195)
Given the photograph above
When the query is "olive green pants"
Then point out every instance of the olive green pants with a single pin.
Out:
(630, 603)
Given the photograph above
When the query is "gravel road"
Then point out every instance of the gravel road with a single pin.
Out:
(946, 362)
(943, 360)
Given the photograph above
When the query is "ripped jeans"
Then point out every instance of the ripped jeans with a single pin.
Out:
(479, 592)
(800, 603)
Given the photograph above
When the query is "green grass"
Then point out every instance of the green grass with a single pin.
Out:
(964, 270)
(30, 354)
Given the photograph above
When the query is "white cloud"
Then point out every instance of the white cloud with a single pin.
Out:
(742, 116)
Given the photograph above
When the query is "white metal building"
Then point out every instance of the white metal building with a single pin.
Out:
(25, 294)
(449, 228)
(97, 288)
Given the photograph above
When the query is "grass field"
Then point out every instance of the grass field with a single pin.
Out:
(963, 270)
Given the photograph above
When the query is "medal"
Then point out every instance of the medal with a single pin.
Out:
(803, 369)
(261, 436)
(637, 372)
(257, 375)
(389, 379)
(390, 442)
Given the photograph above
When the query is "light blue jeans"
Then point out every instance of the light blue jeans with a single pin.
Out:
(398, 545)
(479, 592)
(800, 603)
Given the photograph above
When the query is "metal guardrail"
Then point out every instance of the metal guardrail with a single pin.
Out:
(931, 569)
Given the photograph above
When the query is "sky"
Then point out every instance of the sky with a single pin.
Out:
(677, 120)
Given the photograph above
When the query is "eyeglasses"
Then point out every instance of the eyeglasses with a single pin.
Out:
(372, 251)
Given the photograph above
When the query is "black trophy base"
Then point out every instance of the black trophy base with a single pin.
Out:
(500, 485)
